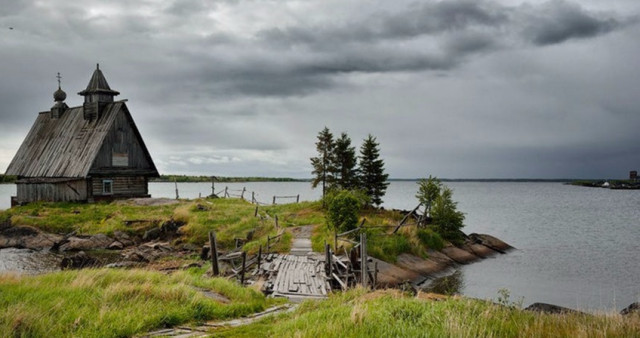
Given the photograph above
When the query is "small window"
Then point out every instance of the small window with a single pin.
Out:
(107, 187)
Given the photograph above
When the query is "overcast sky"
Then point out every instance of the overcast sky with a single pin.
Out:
(456, 88)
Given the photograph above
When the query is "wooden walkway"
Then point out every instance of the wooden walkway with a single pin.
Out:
(299, 275)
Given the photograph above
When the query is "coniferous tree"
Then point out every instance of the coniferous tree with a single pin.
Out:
(345, 163)
(372, 178)
(323, 164)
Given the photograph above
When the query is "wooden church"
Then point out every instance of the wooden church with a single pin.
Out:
(87, 153)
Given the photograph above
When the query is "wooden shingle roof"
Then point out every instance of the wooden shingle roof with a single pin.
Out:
(63, 147)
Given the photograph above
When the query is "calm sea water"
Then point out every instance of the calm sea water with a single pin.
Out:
(576, 247)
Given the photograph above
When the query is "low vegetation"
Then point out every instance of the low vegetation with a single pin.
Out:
(116, 303)
(390, 313)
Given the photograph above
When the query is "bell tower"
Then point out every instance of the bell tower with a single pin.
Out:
(96, 95)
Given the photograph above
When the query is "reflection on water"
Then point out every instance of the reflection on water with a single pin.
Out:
(452, 284)
(26, 261)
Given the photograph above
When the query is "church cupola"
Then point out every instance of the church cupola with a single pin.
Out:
(59, 96)
(96, 95)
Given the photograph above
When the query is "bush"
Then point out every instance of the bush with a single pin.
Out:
(342, 211)
(447, 220)
(385, 246)
(431, 239)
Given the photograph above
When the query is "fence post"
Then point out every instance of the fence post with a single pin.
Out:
(214, 253)
(363, 259)
(268, 240)
(255, 213)
(176, 183)
(253, 197)
(259, 258)
(226, 192)
(242, 194)
(244, 262)
(335, 241)
(213, 188)
(298, 198)
(327, 254)
(274, 200)
(277, 226)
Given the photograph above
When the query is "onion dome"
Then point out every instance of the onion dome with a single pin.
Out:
(59, 95)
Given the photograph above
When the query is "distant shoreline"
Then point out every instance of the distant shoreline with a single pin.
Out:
(201, 178)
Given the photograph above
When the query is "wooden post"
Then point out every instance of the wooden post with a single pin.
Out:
(253, 197)
(213, 188)
(363, 259)
(242, 194)
(277, 226)
(274, 200)
(199, 195)
(244, 262)
(214, 253)
(327, 253)
(176, 183)
(259, 258)
(268, 240)
(335, 241)
(375, 275)
(226, 192)
(255, 213)
(298, 198)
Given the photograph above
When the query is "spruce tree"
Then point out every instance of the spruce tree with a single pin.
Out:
(345, 163)
(372, 178)
(323, 164)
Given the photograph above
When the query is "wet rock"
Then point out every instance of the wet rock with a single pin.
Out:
(479, 250)
(27, 237)
(552, 309)
(633, 308)
(458, 255)
(491, 242)
(123, 238)
(78, 261)
(171, 226)
(148, 252)
(76, 243)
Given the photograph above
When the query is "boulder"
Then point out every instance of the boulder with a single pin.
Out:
(491, 242)
(551, 309)
(633, 308)
(80, 243)
(78, 261)
(458, 255)
(116, 246)
(123, 238)
(27, 237)
(479, 250)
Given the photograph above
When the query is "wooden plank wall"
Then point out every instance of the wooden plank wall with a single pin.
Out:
(52, 191)
(121, 139)
(135, 186)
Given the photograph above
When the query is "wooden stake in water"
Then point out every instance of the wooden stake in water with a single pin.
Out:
(176, 183)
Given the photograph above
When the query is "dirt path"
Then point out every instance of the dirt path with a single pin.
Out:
(301, 245)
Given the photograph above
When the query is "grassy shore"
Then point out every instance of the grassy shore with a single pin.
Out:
(105, 302)
(392, 314)
(116, 303)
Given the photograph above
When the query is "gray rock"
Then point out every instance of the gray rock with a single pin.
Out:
(633, 308)
(27, 237)
(78, 261)
(552, 309)
(77, 243)
(116, 245)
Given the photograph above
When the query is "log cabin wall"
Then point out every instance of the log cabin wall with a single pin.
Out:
(121, 187)
(67, 191)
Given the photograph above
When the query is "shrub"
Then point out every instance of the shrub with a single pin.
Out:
(447, 220)
(431, 239)
(342, 211)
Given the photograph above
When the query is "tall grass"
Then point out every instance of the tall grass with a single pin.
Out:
(114, 303)
(392, 314)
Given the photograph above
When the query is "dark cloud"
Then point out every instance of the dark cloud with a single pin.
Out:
(456, 88)
(557, 21)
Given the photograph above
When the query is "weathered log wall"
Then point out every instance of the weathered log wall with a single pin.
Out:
(51, 191)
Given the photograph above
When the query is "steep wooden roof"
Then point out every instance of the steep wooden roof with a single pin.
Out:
(98, 84)
(66, 146)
